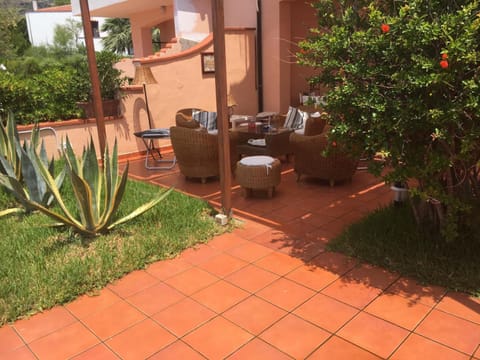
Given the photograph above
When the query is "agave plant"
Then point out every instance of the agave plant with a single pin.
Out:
(10, 158)
(28, 185)
(98, 193)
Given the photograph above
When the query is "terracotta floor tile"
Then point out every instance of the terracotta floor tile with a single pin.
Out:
(313, 277)
(452, 331)
(21, 353)
(258, 349)
(217, 339)
(417, 293)
(191, 280)
(113, 319)
(132, 283)
(372, 276)
(304, 249)
(163, 270)
(334, 262)
(220, 296)
(351, 292)
(288, 213)
(177, 351)
(477, 353)
(250, 251)
(373, 334)
(338, 349)
(141, 340)
(461, 305)
(422, 348)
(184, 316)
(326, 312)
(87, 304)
(155, 298)
(398, 310)
(275, 238)
(198, 254)
(278, 263)
(43, 323)
(252, 278)
(222, 265)
(295, 336)
(9, 339)
(286, 294)
(251, 229)
(64, 343)
(254, 314)
(100, 352)
(227, 241)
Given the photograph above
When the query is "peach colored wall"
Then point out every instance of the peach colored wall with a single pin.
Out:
(240, 13)
(181, 83)
(80, 131)
(271, 55)
(284, 23)
(193, 19)
(303, 18)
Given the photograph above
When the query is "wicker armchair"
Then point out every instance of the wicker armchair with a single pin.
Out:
(197, 152)
(307, 152)
(186, 121)
(313, 125)
(183, 118)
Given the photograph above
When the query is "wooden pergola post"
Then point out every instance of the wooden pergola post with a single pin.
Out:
(222, 110)
(92, 67)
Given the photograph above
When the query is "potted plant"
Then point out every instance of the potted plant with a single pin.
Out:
(111, 79)
(400, 192)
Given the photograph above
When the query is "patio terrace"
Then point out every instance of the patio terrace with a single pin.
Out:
(268, 290)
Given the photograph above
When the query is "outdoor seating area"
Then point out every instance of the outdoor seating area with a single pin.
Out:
(263, 189)
(269, 289)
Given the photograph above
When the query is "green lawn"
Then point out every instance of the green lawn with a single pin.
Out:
(390, 238)
(42, 266)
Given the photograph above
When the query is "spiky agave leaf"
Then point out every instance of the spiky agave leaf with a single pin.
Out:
(141, 209)
(92, 177)
(9, 149)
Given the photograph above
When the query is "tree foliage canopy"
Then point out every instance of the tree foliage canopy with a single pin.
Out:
(403, 78)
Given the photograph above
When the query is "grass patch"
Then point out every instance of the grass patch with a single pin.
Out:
(389, 237)
(42, 266)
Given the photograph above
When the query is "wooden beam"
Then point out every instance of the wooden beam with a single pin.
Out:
(222, 111)
(92, 67)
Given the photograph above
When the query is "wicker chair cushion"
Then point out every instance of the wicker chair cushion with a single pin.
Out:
(295, 118)
(207, 119)
(186, 121)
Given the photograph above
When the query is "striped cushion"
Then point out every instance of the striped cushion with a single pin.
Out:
(206, 119)
(290, 119)
(295, 119)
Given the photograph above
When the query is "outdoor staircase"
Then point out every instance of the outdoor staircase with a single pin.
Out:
(175, 46)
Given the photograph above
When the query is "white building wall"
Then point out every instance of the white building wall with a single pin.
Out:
(41, 27)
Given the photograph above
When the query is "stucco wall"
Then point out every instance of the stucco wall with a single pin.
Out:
(181, 84)
(303, 18)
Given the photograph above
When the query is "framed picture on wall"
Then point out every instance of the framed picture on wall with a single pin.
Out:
(208, 63)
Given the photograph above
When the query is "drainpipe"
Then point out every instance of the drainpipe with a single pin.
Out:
(259, 56)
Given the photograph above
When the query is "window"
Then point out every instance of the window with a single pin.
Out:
(95, 29)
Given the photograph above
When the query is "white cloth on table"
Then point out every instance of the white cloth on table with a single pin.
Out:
(257, 142)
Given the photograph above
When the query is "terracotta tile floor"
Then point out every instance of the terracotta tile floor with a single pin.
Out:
(269, 290)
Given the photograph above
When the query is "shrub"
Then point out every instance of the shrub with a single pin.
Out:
(47, 84)
(403, 79)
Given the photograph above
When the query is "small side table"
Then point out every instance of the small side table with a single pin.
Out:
(148, 137)
(258, 172)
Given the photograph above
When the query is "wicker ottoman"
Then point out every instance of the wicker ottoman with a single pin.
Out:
(258, 172)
